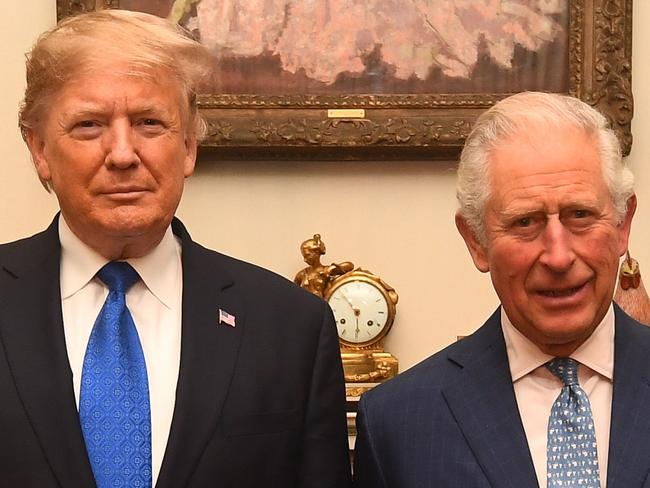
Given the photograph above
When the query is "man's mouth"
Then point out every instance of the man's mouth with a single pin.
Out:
(563, 292)
(124, 195)
(124, 189)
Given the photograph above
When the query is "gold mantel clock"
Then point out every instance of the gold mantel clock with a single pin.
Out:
(364, 308)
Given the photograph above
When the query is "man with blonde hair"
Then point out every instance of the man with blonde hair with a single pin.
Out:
(552, 390)
(131, 356)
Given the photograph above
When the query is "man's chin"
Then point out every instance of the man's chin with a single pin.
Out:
(568, 336)
(133, 229)
(129, 224)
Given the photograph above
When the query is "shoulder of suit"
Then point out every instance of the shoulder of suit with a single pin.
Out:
(629, 326)
(27, 251)
(253, 275)
(427, 377)
(23, 243)
(433, 373)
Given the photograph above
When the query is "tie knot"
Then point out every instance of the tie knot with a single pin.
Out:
(564, 368)
(118, 276)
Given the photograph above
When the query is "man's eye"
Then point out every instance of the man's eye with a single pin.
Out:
(523, 222)
(85, 124)
(581, 214)
(151, 122)
(85, 129)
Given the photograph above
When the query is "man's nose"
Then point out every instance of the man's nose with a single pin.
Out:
(121, 151)
(557, 254)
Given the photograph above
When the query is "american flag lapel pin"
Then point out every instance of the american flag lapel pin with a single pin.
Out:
(226, 318)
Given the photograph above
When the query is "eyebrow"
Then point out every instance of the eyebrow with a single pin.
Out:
(149, 109)
(590, 203)
(83, 109)
(95, 110)
(517, 214)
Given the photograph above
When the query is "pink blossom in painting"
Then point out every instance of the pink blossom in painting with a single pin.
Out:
(323, 38)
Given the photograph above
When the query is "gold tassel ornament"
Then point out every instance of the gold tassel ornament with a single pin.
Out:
(630, 294)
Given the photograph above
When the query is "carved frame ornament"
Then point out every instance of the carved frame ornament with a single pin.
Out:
(424, 126)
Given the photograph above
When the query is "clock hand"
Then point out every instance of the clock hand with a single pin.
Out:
(356, 310)
(348, 300)
(357, 330)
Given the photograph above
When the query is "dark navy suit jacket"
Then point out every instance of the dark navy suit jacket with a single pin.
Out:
(260, 404)
(452, 421)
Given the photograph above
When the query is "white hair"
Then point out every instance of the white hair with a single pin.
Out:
(512, 116)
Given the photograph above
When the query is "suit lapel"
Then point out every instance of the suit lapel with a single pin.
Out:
(31, 331)
(629, 448)
(208, 355)
(482, 401)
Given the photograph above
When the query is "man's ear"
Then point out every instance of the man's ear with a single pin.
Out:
(190, 154)
(476, 249)
(626, 225)
(36, 146)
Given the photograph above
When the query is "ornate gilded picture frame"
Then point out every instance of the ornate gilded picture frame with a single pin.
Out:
(409, 85)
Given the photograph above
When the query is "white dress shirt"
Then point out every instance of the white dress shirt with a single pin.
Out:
(536, 388)
(154, 303)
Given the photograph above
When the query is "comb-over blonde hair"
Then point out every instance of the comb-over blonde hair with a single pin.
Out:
(129, 43)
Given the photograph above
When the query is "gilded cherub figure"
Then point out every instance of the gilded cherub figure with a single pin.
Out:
(315, 277)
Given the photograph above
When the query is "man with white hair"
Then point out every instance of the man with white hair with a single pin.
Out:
(553, 389)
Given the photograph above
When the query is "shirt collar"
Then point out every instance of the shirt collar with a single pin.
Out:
(80, 264)
(597, 352)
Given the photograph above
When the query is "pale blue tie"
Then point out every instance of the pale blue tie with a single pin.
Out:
(572, 459)
(114, 407)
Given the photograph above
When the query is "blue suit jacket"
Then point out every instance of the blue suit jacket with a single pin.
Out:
(452, 420)
(259, 404)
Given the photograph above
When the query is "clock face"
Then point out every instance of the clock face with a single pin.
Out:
(361, 311)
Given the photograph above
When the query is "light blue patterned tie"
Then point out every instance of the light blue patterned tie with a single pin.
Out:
(114, 401)
(572, 459)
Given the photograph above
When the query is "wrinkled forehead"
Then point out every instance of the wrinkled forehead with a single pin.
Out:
(89, 70)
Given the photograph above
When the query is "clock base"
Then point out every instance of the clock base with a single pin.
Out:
(368, 366)
(363, 371)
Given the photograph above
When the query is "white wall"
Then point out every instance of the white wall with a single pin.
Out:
(24, 206)
(395, 219)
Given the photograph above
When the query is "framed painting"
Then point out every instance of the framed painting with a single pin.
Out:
(381, 79)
